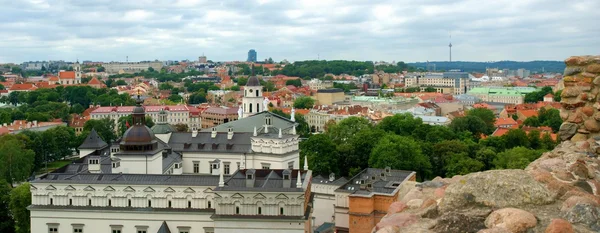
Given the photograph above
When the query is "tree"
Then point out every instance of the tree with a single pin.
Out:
(181, 127)
(551, 118)
(534, 138)
(175, 98)
(294, 82)
(461, 164)
(6, 221)
(20, 199)
(16, 161)
(121, 82)
(322, 156)
(532, 121)
(197, 98)
(60, 143)
(268, 86)
(165, 86)
(430, 89)
(486, 115)
(469, 123)
(304, 102)
(303, 129)
(547, 142)
(105, 128)
(400, 124)
(486, 155)
(399, 152)
(442, 152)
(515, 158)
(515, 138)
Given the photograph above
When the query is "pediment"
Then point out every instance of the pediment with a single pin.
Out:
(189, 190)
(31, 187)
(70, 188)
(149, 190)
(109, 189)
(89, 188)
(129, 189)
(208, 190)
(50, 187)
(281, 196)
(259, 196)
(237, 195)
(169, 190)
(301, 196)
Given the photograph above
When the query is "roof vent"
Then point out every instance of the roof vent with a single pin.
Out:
(213, 133)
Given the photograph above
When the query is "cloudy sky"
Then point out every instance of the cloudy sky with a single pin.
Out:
(389, 30)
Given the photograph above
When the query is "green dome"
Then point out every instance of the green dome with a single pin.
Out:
(163, 129)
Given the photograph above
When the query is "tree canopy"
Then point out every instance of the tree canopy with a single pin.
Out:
(304, 102)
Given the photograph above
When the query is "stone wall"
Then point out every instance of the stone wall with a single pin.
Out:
(581, 102)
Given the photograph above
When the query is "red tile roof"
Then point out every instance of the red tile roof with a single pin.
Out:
(66, 75)
(505, 121)
(528, 112)
(23, 87)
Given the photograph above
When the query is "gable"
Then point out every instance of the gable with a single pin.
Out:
(69, 188)
(31, 187)
(189, 190)
(129, 189)
(169, 190)
(237, 195)
(89, 188)
(148, 190)
(281, 196)
(109, 189)
(259, 196)
(50, 187)
(208, 190)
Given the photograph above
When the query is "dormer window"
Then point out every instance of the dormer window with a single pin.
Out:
(249, 177)
(286, 177)
(94, 161)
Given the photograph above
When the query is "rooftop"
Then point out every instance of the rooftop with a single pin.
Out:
(376, 181)
(265, 180)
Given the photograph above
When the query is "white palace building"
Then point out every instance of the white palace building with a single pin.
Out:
(242, 176)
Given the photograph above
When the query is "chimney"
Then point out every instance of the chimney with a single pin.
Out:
(255, 134)
(332, 177)
(229, 133)
(213, 134)
(287, 178)
(194, 132)
(250, 178)
(388, 170)
(280, 135)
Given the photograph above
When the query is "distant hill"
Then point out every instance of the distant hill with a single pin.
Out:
(469, 66)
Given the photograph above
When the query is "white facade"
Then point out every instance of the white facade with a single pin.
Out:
(252, 102)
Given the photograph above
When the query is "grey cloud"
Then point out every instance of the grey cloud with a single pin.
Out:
(409, 30)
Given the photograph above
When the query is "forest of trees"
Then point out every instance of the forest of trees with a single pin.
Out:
(404, 142)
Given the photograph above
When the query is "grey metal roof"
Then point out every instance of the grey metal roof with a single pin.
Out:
(253, 82)
(320, 180)
(170, 159)
(184, 142)
(163, 128)
(381, 184)
(164, 228)
(330, 90)
(247, 124)
(130, 179)
(113, 208)
(265, 180)
(93, 141)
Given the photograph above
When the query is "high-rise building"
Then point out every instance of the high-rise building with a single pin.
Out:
(252, 55)
(202, 59)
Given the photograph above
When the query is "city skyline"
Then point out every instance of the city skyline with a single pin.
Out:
(407, 31)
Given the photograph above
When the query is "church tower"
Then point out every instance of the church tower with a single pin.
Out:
(77, 69)
(253, 98)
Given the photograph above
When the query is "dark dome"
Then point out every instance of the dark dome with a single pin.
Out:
(253, 82)
(138, 135)
(138, 110)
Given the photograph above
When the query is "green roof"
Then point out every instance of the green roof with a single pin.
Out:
(163, 129)
(257, 120)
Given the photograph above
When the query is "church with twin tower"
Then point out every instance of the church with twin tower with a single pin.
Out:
(241, 176)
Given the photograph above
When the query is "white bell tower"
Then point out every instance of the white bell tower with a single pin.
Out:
(252, 102)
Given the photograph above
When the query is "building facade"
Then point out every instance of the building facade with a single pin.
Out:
(214, 116)
(146, 183)
(176, 114)
(131, 67)
(455, 83)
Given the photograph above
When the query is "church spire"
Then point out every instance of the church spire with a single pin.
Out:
(305, 163)
(299, 182)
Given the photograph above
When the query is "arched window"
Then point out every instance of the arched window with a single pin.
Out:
(209, 205)
(129, 203)
(170, 204)
(189, 204)
(70, 201)
(250, 91)
(90, 202)
(259, 210)
(250, 108)
(51, 201)
(149, 203)
(237, 210)
(280, 210)
(257, 93)
(257, 108)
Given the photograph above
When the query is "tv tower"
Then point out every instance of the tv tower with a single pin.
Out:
(450, 46)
